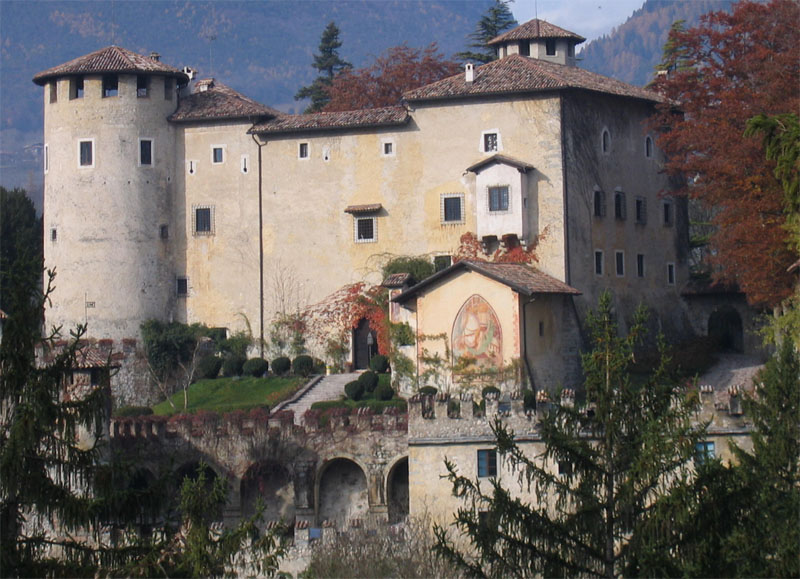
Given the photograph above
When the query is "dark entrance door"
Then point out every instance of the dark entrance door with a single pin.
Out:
(725, 326)
(363, 345)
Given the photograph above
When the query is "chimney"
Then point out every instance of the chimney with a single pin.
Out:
(155, 56)
(469, 69)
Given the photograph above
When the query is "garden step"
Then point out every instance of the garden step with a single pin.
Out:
(329, 388)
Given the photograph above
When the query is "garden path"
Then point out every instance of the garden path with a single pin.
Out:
(329, 388)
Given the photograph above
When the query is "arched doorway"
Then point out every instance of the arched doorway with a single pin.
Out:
(342, 493)
(725, 327)
(270, 482)
(365, 345)
(397, 491)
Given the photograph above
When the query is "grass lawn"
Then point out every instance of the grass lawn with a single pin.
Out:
(228, 394)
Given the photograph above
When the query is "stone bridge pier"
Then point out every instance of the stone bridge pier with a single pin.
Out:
(336, 470)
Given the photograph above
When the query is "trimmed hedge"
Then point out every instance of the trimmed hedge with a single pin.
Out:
(303, 365)
(379, 364)
(490, 390)
(255, 367)
(232, 366)
(281, 365)
(369, 380)
(208, 368)
(428, 391)
(384, 392)
(354, 390)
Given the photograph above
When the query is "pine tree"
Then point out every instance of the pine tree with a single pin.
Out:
(498, 19)
(620, 451)
(328, 63)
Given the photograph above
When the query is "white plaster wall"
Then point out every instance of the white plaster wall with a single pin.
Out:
(500, 223)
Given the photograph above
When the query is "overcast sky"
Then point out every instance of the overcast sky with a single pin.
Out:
(589, 18)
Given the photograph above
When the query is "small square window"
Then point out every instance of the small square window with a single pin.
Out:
(110, 85)
(441, 262)
(704, 451)
(142, 86)
(76, 87)
(639, 265)
(388, 149)
(550, 46)
(302, 151)
(145, 152)
(490, 142)
(667, 213)
(217, 155)
(564, 467)
(599, 203)
(452, 209)
(366, 229)
(182, 287)
(53, 234)
(619, 259)
(671, 273)
(598, 262)
(641, 210)
(203, 220)
(620, 209)
(86, 153)
(498, 198)
(487, 463)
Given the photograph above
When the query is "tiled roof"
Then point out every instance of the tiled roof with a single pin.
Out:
(520, 74)
(366, 118)
(365, 208)
(398, 280)
(213, 100)
(521, 278)
(535, 29)
(112, 59)
(521, 166)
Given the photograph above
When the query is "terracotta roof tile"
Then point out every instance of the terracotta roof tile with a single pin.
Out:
(398, 280)
(520, 74)
(521, 166)
(213, 100)
(535, 29)
(112, 59)
(365, 208)
(366, 118)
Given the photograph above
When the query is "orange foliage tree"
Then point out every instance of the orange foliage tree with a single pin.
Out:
(383, 83)
(728, 69)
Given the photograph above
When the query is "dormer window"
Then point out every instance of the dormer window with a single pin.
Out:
(110, 85)
(550, 46)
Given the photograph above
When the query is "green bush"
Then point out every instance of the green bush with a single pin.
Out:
(368, 380)
(529, 400)
(319, 366)
(490, 390)
(379, 364)
(281, 365)
(256, 367)
(303, 365)
(428, 391)
(419, 267)
(384, 392)
(208, 368)
(354, 390)
(125, 411)
(232, 366)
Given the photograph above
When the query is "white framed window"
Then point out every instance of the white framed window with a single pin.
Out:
(365, 229)
(619, 263)
(605, 142)
(302, 151)
(704, 451)
(145, 152)
(498, 198)
(202, 219)
(451, 208)
(667, 216)
(387, 148)
(490, 141)
(640, 209)
(245, 164)
(46, 159)
(487, 463)
(182, 286)
(191, 167)
(598, 262)
(217, 154)
(86, 153)
(648, 147)
(670, 274)
(639, 265)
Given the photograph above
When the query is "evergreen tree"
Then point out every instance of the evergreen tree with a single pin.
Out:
(498, 19)
(619, 452)
(328, 63)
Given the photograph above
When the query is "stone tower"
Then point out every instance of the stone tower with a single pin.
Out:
(110, 162)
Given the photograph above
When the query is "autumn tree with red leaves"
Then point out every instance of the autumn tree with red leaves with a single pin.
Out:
(733, 67)
(383, 83)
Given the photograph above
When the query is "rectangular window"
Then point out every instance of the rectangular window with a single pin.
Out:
(564, 467)
(490, 142)
(142, 86)
(452, 209)
(441, 262)
(302, 151)
(619, 259)
(639, 265)
(366, 229)
(53, 234)
(76, 87)
(498, 198)
(388, 149)
(704, 451)
(619, 205)
(541, 329)
(110, 85)
(86, 153)
(53, 91)
(550, 46)
(570, 50)
(487, 463)
(95, 375)
(598, 262)
(145, 152)
(182, 287)
(667, 206)
(46, 158)
(217, 155)
(641, 210)
(525, 47)
(671, 273)
(203, 220)
(169, 88)
(164, 231)
(599, 204)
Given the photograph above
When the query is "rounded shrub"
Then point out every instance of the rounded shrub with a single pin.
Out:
(255, 367)
(428, 391)
(490, 390)
(319, 366)
(303, 365)
(281, 365)
(369, 380)
(208, 368)
(354, 390)
(384, 392)
(232, 366)
(379, 364)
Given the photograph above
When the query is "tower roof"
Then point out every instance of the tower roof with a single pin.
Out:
(212, 100)
(112, 59)
(535, 29)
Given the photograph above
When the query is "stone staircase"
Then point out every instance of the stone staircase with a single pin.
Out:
(327, 388)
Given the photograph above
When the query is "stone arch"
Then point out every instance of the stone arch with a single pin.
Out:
(397, 490)
(725, 326)
(342, 492)
(477, 334)
(272, 482)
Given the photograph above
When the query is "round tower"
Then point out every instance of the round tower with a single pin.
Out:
(109, 157)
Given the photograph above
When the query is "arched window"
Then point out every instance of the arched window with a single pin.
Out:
(648, 147)
(606, 142)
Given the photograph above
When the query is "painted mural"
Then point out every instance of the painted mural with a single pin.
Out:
(477, 334)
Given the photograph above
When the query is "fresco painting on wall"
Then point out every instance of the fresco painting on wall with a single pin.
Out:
(477, 334)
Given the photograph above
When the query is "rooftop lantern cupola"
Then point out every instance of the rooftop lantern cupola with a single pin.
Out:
(539, 39)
